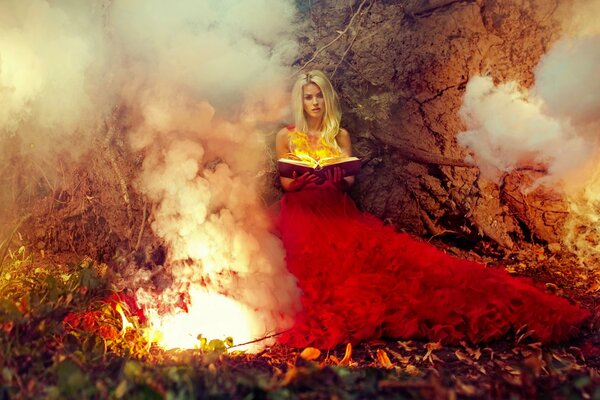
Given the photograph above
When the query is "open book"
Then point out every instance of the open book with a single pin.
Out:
(287, 166)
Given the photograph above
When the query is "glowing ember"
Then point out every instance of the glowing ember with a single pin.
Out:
(210, 315)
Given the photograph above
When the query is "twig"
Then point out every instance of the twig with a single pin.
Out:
(259, 339)
(139, 238)
(9, 241)
(351, 42)
(340, 34)
(111, 158)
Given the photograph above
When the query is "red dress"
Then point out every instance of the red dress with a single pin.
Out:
(362, 280)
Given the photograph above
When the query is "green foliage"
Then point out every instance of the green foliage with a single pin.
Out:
(42, 356)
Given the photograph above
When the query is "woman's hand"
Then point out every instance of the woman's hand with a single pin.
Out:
(335, 176)
(302, 180)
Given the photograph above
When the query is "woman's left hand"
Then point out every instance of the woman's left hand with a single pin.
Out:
(335, 176)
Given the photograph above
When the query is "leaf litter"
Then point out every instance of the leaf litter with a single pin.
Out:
(46, 353)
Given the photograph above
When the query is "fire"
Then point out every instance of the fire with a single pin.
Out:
(125, 322)
(211, 315)
(305, 152)
(582, 234)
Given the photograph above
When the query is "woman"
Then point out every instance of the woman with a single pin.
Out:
(362, 280)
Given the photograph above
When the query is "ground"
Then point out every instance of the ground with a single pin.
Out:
(63, 339)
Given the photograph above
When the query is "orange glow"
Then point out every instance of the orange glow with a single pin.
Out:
(211, 315)
(125, 322)
(304, 151)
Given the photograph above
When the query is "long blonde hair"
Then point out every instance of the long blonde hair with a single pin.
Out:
(332, 116)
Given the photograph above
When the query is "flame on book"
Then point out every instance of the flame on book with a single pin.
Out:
(309, 155)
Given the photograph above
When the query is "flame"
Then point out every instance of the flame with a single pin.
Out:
(125, 322)
(582, 229)
(211, 315)
(304, 151)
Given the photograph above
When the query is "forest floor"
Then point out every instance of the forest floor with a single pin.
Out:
(62, 338)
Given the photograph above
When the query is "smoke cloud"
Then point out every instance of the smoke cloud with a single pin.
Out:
(50, 61)
(199, 81)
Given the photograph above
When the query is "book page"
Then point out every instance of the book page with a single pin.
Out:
(334, 160)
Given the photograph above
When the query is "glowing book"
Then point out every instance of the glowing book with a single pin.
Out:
(287, 166)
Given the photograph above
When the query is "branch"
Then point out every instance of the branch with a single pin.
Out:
(351, 42)
(112, 160)
(340, 34)
(259, 339)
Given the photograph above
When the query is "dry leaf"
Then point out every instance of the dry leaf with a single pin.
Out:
(464, 388)
(347, 356)
(463, 357)
(383, 359)
(412, 370)
(310, 353)
(430, 348)
(400, 357)
(406, 345)
(289, 377)
(594, 288)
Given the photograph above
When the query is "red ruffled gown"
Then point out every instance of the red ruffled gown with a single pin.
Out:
(362, 280)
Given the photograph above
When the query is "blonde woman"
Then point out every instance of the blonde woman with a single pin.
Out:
(362, 280)
(317, 130)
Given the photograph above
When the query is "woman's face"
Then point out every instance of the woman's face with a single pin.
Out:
(313, 101)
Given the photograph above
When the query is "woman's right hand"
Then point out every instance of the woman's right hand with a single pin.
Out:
(301, 181)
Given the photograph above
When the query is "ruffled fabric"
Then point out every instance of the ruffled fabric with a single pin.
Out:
(362, 280)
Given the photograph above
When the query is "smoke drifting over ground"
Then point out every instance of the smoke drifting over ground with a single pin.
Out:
(196, 81)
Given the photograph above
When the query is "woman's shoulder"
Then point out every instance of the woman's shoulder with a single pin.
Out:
(286, 130)
(343, 134)
(284, 133)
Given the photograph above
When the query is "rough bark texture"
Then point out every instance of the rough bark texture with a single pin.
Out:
(401, 70)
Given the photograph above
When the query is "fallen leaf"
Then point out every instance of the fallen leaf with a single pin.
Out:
(310, 353)
(406, 345)
(430, 348)
(463, 357)
(347, 356)
(383, 359)
(412, 370)
(400, 357)
(289, 377)
(464, 388)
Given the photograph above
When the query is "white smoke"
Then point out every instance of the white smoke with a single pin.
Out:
(553, 125)
(203, 75)
(51, 57)
(198, 81)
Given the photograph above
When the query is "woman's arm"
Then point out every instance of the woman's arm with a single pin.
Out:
(282, 148)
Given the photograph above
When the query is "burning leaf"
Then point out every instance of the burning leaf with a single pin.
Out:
(383, 359)
(310, 354)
